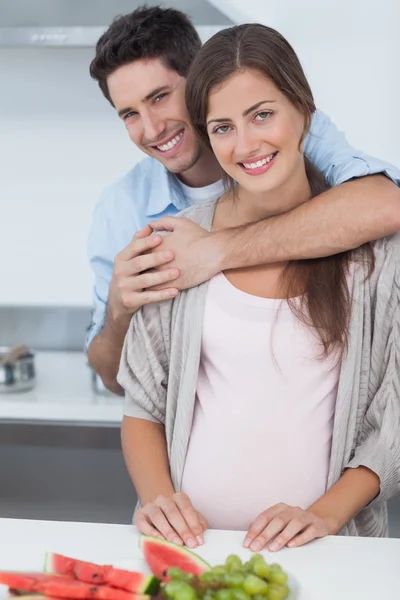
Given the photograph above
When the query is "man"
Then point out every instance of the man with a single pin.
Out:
(141, 63)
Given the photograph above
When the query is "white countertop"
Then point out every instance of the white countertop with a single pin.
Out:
(335, 568)
(63, 393)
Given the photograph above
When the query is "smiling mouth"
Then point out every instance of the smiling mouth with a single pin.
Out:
(258, 164)
(171, 143)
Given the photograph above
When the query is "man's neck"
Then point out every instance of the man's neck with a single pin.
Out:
(205, 172)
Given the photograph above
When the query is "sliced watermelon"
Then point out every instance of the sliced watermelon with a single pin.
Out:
(102, 574)
(161, 555)
(60, 586)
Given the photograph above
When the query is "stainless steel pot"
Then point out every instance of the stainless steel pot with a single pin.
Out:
(17, 369)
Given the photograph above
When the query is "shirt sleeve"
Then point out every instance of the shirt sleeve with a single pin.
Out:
(379, 441)
(327, 148)
(101, 255)
(143, 371)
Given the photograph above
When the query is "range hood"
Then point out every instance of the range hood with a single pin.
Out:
(79, 23)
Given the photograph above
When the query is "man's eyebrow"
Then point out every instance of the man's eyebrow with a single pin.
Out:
(155, 92)
(123, 111)
(245, 113)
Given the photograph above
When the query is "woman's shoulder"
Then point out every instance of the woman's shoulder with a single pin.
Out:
(202, 214)
(387, 247)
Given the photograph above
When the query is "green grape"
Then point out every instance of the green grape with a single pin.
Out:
(234, 580)
(260, 567)
(176, 574)
(186, 594)
(277, 592)
(254, 585)
(238, 594)
(183, 592)
(208, 576)
(287, 590)
(247, 567)
(277, 576)
(219, 570)
(223, 595)
(260, 596)
(233, 563)
(173, 587)
(275, 567)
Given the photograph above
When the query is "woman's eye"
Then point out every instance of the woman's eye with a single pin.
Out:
(222, 129)
(262, 116)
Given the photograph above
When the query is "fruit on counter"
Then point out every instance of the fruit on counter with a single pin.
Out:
(161, 555)
(60, 586)
(254, 580)
(87, 572)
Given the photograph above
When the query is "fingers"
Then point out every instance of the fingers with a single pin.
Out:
(141, 262)
(142, 233)
(140, 244)
(191, 517)
(177, 520)
(159, 517)
(169, 517)
(166, 224)
(260, 524)
(310, 533)
(145, 526)
(294, 527)
(203, 521)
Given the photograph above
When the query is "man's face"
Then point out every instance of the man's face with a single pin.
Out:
(150, 99)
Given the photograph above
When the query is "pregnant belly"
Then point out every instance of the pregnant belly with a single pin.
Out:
(233, 476)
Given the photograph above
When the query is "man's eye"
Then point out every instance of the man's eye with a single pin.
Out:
(129, 114)
(159, 97)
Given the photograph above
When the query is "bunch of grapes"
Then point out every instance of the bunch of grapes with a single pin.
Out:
(253, 580)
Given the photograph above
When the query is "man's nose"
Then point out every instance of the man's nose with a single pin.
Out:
(153, 127)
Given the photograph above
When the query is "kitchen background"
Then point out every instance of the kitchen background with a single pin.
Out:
(60, 145)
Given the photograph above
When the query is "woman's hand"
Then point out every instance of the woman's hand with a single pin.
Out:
(173, 518)
(290, 526)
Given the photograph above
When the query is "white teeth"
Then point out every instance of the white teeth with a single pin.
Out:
(171, 143)
(259, 163)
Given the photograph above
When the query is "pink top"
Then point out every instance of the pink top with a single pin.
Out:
(263, 418)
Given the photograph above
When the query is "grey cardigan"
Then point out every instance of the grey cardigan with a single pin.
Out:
(161, 355)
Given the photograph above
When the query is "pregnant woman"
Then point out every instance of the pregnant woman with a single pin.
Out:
(266, 400)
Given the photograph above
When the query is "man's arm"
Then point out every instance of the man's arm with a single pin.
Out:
(340, 219)
(127, 293)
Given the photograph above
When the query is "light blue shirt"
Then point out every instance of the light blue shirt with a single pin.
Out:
(149, 191)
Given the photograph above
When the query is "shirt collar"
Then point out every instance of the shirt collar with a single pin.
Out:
(164, 191)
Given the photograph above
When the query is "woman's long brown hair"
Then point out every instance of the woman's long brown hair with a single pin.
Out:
(325, 303)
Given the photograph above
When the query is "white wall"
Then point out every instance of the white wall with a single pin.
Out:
(350, 50)
(61, 143)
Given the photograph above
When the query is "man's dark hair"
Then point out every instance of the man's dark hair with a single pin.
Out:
(147, 32)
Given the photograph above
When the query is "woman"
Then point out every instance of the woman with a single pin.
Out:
(268, 399)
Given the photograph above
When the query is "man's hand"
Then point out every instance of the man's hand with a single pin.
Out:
(173, 518)
(290, 526)
(134, 274)
(197, 255)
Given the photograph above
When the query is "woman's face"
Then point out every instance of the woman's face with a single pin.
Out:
(255, 131)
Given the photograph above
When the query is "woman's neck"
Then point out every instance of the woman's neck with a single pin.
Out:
(248, 207)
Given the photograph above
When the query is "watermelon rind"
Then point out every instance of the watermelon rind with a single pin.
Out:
(151, 587)
(48, 561)
(178, 549)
